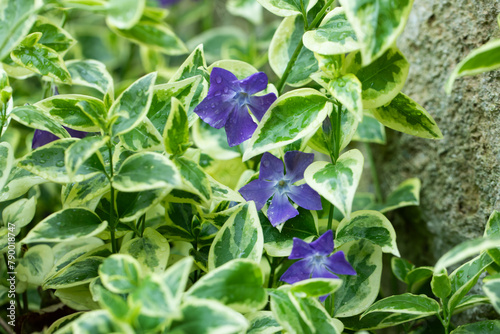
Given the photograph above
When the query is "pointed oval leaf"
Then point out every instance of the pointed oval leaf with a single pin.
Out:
(176, 133)
(65, 225)
(132, 105)
(79, 272)
(35, 265)
(240, 237)
(377, 23)
(124, 14)
(287, 7)
(34, 117)
(19, 214)
(53, 36)
(120, 273)
(369, 225)
(292, 116)
(285, 40)
(315, 287)
(143, 137)
(249, 9)
(19, 181)
(146, 171)
(483, 327)
(337, 183)
(441, 285)
(482, 59)
(333, 36)
(80, 151)
(406, 194)
(132, 205)
(78, 194)
(347, 89)
(91, 73)
(359, 291)
(262, 322)
(492, 230)
(194, 178)
(176, 277)
(491, 288)
(381, 80)
(6, 163)
(407, 304)
(151, 250)
(237, 284)
(40, 59)
(405, 115)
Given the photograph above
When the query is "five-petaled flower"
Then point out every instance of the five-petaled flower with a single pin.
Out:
(273, 181)
(228, 101)
(316, 261)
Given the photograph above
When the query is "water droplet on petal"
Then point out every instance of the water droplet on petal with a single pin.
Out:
(218, 80)
(226, 90)
(266, 163)
(212, 105)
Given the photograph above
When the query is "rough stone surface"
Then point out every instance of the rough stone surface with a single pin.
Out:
(461, 173)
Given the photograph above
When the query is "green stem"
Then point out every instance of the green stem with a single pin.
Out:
(25, 302)
(330, 217)
(274, 265)
(112, 225)
(295, 55)
(373, 169)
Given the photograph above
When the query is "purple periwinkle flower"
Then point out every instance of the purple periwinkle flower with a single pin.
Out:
(316, 261)
(228, 101)
(273, 182)
(42, 137)
(166, 3)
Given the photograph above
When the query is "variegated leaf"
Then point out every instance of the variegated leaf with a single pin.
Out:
(124, 14)
(492, 230)
(287, 7)
(143, 137)
(406, 194)
(80, 151)
(405, 115)
(176, 133)
(6, 163)
(370, 130)
(91, 73)
(406, 304)
(193, 178)
(35, 265)
(53, 36)
(151, 250)
(337, 183)
(34, 117)
(491, 288)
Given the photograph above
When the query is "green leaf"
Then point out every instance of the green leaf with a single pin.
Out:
(359, 291)
(381, 80)
(333, 36)
(91, 73)
(143, 137)
(77, 194)
(48, 162)
(441, 285)
(279, 243)
(19, 214)
(19, 181)
(406, 194)
(418, 276)
(208, 317)
(34, 117)
(53, 36)
(315, 287)
(155, 36)
(17, 18)
(131, 206)
(194, 65)
(213, 142)
(180, 221)
(61, 322)
(176, 277)
(247, 9)
(132, 105)
(124, 14)
(377, 24)
(407, 304)
(176, 133)
(465, 277)
(151, 250)
(79, 272)
(285, 40)
(491, 288)
(240, 237)
(465, 250)
(80, 151)
(120, 273)
(66, 225)
(262, 322)
(237, 284)
(287, 7)
(347, 90)
(368, 225)
(480, 60)
(378, 320)
(470, 301)
(6, 163)
(370, 130)
(337, 183)
(405, 115)
(35, 265)
(114, 303)
(96, 322)
(79, 112)
(40, 59)
(292, 116)
(194, 179)
(492, 229)
(146, 171)
(400, 268)
(483, 327)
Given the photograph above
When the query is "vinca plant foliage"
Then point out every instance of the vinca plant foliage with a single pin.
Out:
(155, 179)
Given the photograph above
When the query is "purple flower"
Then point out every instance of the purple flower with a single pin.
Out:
(42, 137)
(316, 262)
(228, 101)
(166, 3)
(272, 181)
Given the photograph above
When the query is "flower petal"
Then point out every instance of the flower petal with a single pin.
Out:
(322, 272)
(301, 249)
(304, 196)
(324, 244)
(214, 111)
(258, 191)
(338, 264)
(239, 126)
(41, 138)
(297, 272)
(260, 104)
(220, 79)
(296, 163)
(254, 83)
(271, 168)
(280, 209)
(323, 298)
